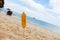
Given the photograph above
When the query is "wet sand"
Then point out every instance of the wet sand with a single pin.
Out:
(10, 29)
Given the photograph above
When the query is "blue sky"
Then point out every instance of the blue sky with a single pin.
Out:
(46, 10)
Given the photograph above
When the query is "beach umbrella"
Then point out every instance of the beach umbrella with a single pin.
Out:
(23, 22)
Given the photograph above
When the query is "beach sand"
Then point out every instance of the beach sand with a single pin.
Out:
(10, 29)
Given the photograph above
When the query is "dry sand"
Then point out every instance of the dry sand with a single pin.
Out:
(10, 29)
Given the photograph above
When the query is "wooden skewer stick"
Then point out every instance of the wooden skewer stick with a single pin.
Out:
(23, 32)
(23, 22)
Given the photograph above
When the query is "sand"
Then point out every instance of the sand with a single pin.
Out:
(10, 29)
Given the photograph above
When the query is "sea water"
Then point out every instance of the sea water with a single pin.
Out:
(41, 23)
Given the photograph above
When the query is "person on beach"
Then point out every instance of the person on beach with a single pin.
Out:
(9, 12)
(1, 3)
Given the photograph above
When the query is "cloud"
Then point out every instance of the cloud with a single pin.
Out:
(33, 4)
(56, 6)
